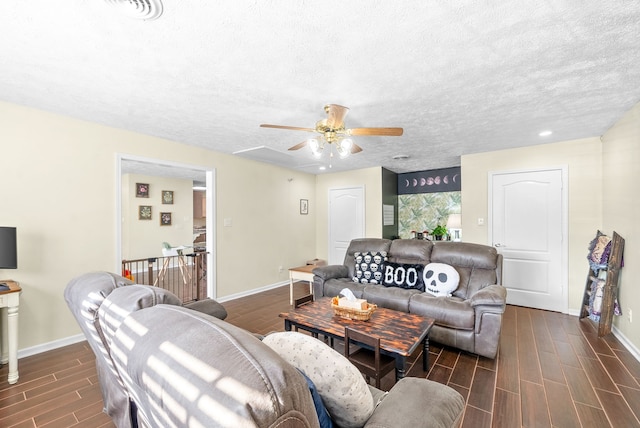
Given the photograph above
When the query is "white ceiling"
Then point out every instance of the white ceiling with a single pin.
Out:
(459, 77)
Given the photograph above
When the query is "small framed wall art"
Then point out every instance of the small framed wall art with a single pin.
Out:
(144, 212)
(165, 219)
(167, 196)
(304, 206)
(142, 190)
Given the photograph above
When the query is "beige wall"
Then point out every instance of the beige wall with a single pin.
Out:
(621, 211)
(371, 180)
(142, 239)
(583, 158)
(59, 190)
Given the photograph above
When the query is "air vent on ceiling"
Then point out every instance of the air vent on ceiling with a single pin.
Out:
(139, 9)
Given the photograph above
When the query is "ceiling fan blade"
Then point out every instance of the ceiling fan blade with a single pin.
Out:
(335, 115)
(292, 128)
(387, 132)
(355, 149)
(299, 145)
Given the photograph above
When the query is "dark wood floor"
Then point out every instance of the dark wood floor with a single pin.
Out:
(552, 371)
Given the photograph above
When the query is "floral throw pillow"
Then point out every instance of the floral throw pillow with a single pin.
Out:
(343, 390)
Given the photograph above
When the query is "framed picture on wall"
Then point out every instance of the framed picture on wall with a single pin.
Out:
(167, 196)
(144, 212)
(165, 219)
(142, 190)
(304, 206)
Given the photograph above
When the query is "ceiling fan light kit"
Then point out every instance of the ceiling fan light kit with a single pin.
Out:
(146, 10)
(333, 132)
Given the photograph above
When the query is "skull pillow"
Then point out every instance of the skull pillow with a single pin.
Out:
(440, 279)
(367, 264)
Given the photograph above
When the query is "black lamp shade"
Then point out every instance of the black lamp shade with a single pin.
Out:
(8, 248)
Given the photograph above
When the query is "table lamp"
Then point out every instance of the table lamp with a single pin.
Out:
(454, 225)
(8, 248)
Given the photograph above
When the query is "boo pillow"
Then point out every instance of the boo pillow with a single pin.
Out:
(341, 386)
(440, 279)
(403, 276)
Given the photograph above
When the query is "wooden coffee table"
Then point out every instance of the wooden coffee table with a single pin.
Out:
(400, 333)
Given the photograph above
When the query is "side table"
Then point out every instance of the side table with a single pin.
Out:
(300, 273)
(9, 303)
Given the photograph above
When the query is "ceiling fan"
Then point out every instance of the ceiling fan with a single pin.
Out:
(332, 131)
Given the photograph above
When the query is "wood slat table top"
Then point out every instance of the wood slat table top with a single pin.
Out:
(399, 332)
(14, 287)
(305, 268)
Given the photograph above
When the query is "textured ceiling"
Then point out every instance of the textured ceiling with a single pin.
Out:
(459, 77)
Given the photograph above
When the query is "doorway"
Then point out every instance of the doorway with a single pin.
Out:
(201, 176)
(346, 220)
(528, 226)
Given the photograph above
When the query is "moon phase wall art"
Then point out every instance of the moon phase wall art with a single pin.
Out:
(430, 181)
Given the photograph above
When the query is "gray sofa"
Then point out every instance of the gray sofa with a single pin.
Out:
(162, 365)
(470, 319)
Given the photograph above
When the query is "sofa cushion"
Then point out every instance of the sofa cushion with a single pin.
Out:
(475, 263)
(124, 300)
(440, 279)
(342, 387)
(410, 251)
(412, 399)
(403, 275)
(395, 298)
(333, 287)
(368, 266)
(449, 312)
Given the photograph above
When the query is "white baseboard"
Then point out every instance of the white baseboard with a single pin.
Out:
(627, 344)
(80, 337)
(250, 292)
(33, 350)
(38, 349)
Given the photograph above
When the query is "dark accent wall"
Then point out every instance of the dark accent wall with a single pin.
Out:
(390, 197)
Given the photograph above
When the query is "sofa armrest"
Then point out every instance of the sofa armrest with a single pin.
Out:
(321, 274)
(424, 403)
(331, 272)
(491, 295)
(209, 307)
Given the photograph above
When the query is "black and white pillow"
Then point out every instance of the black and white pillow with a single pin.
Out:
(403, 275)
(440, 279)
(369, 266)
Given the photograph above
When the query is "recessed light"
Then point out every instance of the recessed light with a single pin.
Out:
(545, 133)
(322, 168)
(401, 157)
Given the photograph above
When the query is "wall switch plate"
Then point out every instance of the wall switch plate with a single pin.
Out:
(227, 222)
(480, 221)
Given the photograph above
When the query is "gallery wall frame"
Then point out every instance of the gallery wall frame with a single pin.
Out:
(165, 219)
(167, 197)
(304, 206)
(142, 190)
(144, 212)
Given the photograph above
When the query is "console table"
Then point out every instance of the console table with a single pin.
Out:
(301, 273)
(9, 303)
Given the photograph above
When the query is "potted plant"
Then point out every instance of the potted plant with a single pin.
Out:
(439, 232)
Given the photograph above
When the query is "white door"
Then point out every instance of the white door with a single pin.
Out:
(346, 220)
(528, 211)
